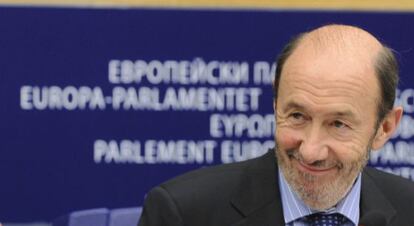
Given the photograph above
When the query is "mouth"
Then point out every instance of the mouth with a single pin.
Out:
(314, 170)
(317, 168)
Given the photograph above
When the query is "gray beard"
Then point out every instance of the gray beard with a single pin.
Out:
(321, 196)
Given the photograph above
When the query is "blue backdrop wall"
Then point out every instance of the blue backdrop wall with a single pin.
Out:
(100, 105)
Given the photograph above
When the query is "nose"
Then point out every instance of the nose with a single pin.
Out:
(313, 145)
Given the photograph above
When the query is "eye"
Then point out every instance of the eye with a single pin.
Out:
(297, 115)
(297, 118)
(341, 130)
(338, 124)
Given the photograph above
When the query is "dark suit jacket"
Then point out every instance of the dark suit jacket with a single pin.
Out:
(247, 193)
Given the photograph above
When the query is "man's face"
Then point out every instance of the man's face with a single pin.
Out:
(326, 114)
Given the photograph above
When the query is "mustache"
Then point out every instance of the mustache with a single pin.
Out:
(294, 153)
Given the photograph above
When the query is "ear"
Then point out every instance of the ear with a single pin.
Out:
(387, 127)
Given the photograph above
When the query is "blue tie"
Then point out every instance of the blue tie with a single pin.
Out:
(319, 219)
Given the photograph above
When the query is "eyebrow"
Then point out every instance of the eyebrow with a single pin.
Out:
(293, 104)
(345, 113)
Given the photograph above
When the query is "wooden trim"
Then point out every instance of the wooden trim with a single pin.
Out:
(377, 5)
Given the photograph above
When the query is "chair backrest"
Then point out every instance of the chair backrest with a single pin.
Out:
(91, 217)
(124, 216)
(27, 224)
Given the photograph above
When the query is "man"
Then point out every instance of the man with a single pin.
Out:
(334, 94)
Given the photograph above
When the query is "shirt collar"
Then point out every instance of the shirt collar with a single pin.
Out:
(295, 209)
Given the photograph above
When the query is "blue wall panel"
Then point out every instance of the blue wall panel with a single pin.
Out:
(65, 142)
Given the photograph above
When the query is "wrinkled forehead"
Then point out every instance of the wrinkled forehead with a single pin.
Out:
(342, 39)
(334, 62)
(336, 52)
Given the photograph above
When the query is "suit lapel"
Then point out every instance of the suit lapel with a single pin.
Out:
(257, 198)
(374, 200)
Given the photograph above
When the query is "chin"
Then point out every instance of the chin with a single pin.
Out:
(318, 192)
(322, 196)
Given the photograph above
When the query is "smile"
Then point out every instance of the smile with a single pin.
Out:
(312, 169)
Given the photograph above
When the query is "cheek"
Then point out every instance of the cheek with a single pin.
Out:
(355, 150)
(287, 138)
(349, 152)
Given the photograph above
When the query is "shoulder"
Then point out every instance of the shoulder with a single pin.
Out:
(218, 180)
(399, 190)
(204, 196)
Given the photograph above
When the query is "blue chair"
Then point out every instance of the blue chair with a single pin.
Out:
(124, 216)
(92, 217)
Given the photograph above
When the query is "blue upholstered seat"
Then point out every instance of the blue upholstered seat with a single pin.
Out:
(124, 216)
(91, 217)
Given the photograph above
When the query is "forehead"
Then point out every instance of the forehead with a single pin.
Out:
(331, 76)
